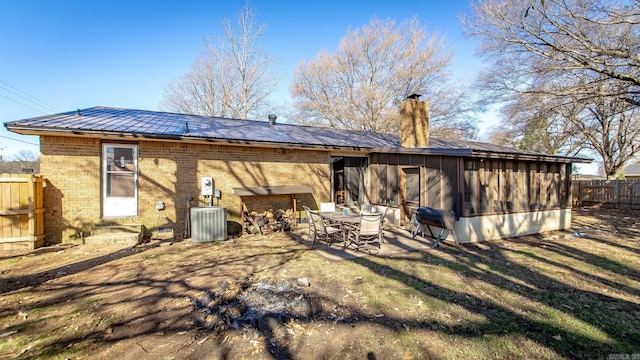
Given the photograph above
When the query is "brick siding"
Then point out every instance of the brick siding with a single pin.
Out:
(414, 123)
(167, 171)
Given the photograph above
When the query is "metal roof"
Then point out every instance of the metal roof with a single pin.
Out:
(107, 121)
(152, 124)
(631, 170)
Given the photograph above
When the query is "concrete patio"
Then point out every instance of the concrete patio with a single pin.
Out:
(396, 241)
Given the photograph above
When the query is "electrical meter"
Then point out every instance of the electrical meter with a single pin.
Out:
(206, 185)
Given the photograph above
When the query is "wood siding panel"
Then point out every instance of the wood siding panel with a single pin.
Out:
(523, 187)
(434, 193)
(449, 183)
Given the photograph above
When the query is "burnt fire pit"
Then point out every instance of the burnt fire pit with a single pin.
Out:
(254, 303)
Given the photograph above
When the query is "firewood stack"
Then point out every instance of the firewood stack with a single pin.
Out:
(269, 221)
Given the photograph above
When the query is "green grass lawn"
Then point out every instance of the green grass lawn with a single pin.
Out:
(571, 297)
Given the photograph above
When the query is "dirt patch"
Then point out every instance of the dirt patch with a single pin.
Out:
(260, 304)
(266, 297)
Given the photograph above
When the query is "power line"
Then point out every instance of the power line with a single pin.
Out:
(25, 105)
(30, 98)
(22, 141)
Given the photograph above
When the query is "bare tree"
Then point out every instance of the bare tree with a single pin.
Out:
(537, 123)
(232, 78)
(25, 156)
(610, 126)
(598, 38)
(606, 125)
(579, 59)
(505, 135)
(374, 68)
(24, 161)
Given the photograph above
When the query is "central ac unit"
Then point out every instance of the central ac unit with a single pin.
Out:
(208, 224)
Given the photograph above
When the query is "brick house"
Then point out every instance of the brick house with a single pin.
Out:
(631, 172)
(110, 165)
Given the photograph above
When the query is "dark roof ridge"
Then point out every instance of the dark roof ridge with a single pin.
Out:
(225, 118)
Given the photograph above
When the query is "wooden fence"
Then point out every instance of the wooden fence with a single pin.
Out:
(21, 211)
(613, 193)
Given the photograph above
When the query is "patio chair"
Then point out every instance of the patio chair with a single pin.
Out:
(320, 231)
(367, 209)
(383, 211)
(328, 207)
(367, 234)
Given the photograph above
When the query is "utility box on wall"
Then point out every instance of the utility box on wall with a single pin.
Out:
(208, 224)
(206, 185)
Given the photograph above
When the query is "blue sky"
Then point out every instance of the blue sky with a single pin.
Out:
(72, 54)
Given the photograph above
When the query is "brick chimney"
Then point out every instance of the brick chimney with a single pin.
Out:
(414, 122)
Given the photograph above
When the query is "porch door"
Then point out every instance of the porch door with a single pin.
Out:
(409, 191)
(354, 170)
(348, 179)
(120, 180)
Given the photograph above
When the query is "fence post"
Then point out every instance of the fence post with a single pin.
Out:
(580, 192)
(616, 188)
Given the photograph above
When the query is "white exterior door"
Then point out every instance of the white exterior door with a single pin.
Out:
(120, 180)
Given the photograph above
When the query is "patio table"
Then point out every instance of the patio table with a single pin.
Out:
(346, 222)
(340, 218)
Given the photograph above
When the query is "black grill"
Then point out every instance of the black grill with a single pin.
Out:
(442, 218)
(436, 217)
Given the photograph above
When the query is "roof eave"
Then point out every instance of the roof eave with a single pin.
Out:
(481, 154)
(466, 152)
(24, 130)
(423, 151)
(531, 157)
